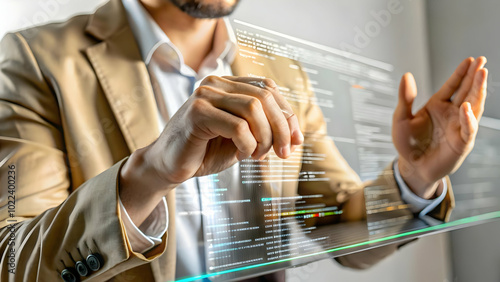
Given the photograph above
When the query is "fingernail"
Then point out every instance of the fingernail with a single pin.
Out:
(301, 136)
(285, 151)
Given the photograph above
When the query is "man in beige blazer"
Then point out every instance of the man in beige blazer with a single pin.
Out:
(79, 130)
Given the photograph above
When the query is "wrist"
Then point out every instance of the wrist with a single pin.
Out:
(421, 186)
(140, 188)
(141, 171)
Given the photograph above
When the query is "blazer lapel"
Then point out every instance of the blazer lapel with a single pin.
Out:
(123, 75)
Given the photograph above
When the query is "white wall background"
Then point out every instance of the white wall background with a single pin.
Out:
(20, 14)
(400, 40)
(461, 28)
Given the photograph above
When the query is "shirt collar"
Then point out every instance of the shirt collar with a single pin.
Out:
(150, 36)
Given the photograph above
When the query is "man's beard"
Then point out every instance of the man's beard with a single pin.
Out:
(202, 10)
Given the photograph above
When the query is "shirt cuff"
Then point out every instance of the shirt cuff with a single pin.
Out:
(417, 204)
(148, 235)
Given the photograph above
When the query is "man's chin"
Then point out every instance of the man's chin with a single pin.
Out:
(206, 9)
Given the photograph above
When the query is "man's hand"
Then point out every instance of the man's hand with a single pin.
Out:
(225, 120)
(435, 141)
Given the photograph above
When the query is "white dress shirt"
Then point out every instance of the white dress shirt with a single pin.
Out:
(174, 81)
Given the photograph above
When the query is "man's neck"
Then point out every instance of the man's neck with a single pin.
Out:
(193, 37)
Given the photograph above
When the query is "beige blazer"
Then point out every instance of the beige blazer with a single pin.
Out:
(75, 101)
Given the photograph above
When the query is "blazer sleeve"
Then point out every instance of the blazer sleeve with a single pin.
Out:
(46, 228)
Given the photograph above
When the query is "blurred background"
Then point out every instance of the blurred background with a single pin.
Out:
(428, 38)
